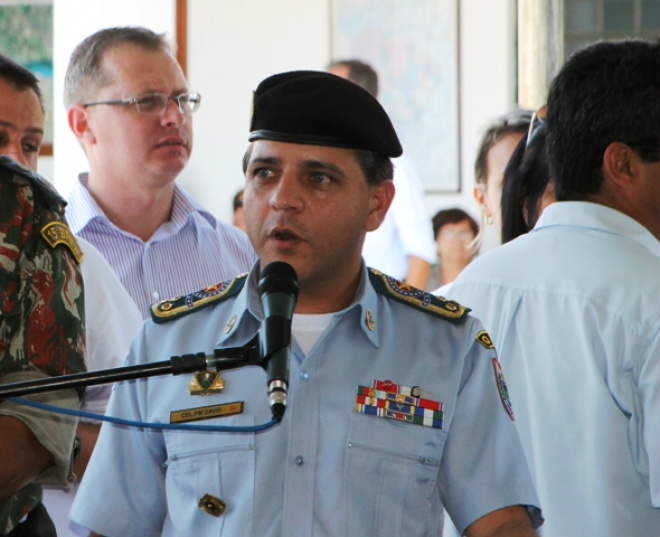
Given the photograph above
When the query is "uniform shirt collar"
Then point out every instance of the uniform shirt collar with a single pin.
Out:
(247, 313)
(599, 217)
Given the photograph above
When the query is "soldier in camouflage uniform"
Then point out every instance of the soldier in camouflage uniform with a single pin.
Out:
(41, 320)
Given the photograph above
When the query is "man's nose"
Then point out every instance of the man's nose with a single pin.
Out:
(286, 196)
(173, 113)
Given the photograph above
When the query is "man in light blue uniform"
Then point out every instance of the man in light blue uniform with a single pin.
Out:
(397, 405)
(573, 306)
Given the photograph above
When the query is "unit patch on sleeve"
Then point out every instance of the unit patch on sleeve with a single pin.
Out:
(484, 339)
(56, 233)
(501, 387)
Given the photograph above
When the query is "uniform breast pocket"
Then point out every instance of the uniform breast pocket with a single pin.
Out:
(390, 478)
(216, 469)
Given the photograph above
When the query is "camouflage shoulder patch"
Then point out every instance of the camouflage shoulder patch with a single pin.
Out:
(56, 233)
(52, 196)
(171, 309)
(446, 309)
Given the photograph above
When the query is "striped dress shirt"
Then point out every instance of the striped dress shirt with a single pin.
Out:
(190, 251)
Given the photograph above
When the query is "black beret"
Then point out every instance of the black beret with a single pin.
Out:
(315, 107)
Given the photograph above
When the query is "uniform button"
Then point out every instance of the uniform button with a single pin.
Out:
(299, 460)
(304, 375)
(155, 295)
(212, 505)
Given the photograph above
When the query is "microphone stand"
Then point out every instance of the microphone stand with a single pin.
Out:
(188, 363)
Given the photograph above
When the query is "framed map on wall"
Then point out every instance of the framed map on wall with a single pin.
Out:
(413, 46)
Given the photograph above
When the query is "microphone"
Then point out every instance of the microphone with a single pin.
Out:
(278, 291)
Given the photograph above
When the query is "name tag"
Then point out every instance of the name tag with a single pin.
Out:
(206, 412)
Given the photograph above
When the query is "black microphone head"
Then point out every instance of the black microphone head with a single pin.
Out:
(278, 277)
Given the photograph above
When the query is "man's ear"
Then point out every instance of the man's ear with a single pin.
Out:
(79, 124)
(382, 195)
(619, 164)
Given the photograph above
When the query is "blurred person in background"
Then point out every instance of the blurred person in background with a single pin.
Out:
(455, 233)
(495, 149)
(402, 246)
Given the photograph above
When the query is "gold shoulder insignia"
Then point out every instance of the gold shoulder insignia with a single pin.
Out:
(174, 308)
(56, 232)
(484, 339)
(402, 292)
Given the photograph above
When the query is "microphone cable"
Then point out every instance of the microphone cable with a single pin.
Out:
(147, 425)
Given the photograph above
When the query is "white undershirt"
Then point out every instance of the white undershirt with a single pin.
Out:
(308, 327)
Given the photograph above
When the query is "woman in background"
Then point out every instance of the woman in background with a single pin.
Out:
(455, 233)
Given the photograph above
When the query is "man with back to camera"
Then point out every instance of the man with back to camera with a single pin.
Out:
(130, 108)
(340, 462)
(41, 321)
(402, 246)
(573, 305)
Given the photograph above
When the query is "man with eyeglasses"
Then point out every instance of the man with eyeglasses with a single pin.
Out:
(573, 306)
(130, 108)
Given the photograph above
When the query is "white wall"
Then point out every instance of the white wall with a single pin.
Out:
(233, 44)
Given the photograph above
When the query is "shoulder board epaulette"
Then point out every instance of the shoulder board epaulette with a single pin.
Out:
(52, 197)
(421, 300)
(171, 309)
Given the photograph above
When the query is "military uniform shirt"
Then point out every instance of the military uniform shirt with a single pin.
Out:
(574, 310)
(326, 469)
(41, 317)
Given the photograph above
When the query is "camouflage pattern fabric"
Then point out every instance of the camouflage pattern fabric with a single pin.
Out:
(41, 294)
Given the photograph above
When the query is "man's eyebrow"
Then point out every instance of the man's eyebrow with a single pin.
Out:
(264, 160)
(309, 164)
(10, 125)
(313, 164)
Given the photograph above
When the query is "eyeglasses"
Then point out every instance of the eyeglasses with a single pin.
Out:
(538, 119)
(516, 119)
(463, 235)
(156, 103)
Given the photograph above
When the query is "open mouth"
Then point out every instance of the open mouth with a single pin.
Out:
(283, 235)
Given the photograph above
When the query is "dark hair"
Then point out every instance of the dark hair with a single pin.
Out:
(515, 122)
(360, 73)
(453, 216)
(605, 92)
(19, 77)
(376, 168)
(84, 75)
(526, 178)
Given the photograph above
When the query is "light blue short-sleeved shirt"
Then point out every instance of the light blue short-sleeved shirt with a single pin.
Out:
(574, 310)
(326, 469)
